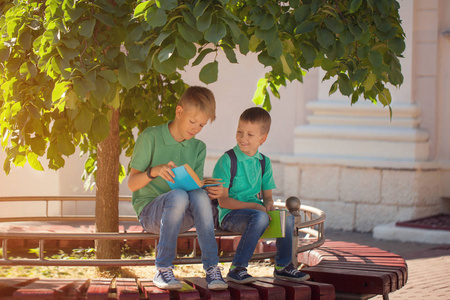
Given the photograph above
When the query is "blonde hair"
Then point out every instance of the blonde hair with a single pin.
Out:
(200, 98)
(257, 115)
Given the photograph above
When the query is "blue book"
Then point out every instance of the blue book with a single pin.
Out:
(186, 179)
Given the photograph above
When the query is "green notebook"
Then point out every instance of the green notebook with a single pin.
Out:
(277, 226)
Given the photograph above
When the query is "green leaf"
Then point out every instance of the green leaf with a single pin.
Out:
(395, 76)
(155, 17)
(86, 28)
(333, 88)
(200, 8)
(209, 72)
(356, 31)
(369, 82)
(101, 88)
(34, 162)
(64, 144)
(83, 120)
(325, 37)
(308, 51)
(185, 49)
(345, 85)
(25, 39)
(71, 43)
(4, 53)
(109, 75)
(286, 69)
(305, 27)
(66, 53)
(38, 145)
(105, 19)
(162, 36)
(275, 48)
(167, 4)
(231, 56)
(267, 35)
(346, 37)
(334, 25)
(59, 89)
(266, 59)
(204, 21)
(202, 55)
(189, 33)
(397, 45)
(128, 79)
(385, 97)
(354, 5)
(215, 32)
(302, 12)
(166, 52)
(100, 127)
(261, 91)
(141, 8)
(375, 58)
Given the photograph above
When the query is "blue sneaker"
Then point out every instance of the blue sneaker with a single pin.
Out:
(240, 275)
(164, 279)
(214, 278)
(290, 273)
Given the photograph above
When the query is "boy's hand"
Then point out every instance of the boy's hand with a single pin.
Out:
(165, 171)
(215, 192)
(268, 204)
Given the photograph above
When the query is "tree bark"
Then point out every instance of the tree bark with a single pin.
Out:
(107, 195)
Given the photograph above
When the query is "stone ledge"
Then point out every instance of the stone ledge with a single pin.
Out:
(404, 234)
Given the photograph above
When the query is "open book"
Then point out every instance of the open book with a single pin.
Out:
(277, 226)
(186, 179)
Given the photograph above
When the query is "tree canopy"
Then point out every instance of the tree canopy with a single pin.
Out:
(66, 65)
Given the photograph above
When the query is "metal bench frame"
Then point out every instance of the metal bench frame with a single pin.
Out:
(308, 220)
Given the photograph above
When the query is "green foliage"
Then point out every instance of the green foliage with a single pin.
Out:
(66, 65)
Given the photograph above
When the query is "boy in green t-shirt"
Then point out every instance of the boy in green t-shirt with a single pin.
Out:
(169, 212)
(241, 210)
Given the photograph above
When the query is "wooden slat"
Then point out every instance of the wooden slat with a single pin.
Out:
(9, 285)
(98, 289)
(294, 291)
(242, 291)
(52, 289)
(201, 286)
(187, 292)
(268, 291)
(150, 291)
(320, 291)
(127, 289)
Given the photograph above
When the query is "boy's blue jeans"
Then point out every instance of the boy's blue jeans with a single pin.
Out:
(251, 223)
(175, 212)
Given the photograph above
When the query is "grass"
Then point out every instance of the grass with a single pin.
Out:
(257, 269)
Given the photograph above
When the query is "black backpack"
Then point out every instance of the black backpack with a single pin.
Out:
(233, 169)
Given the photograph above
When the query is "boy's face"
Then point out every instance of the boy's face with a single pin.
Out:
(189, 122)
(249, 137)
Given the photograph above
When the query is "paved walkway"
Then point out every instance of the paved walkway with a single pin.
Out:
(428, 265)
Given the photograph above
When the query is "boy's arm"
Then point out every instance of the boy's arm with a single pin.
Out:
(231, 203)
(138, 179)
(268, 200)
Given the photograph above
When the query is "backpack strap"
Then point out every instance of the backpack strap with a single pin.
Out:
(233, 166)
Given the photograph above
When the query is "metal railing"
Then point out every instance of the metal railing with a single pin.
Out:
(308, 220)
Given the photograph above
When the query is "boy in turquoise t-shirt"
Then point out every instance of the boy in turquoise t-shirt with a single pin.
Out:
(240, 209)
(168, 212)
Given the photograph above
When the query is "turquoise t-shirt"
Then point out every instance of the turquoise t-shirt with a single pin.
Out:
(248, 180)
(156, 146)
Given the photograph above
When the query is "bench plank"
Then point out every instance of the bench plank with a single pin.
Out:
(294, 291)
(98, 289)
(242, 291)
(268, 291)
(127, 288)
(151, 291)
(9, 285)
(201, 286)
(52, 289)
(187, 292)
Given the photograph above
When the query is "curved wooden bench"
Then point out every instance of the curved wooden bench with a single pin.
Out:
(307, 219)
(356, 271)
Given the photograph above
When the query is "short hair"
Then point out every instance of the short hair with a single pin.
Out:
(257, 115)
(201, 98)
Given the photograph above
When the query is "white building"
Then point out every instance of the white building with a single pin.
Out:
(350, 161)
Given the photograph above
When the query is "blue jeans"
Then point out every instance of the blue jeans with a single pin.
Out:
(175, 212)
(251, 223)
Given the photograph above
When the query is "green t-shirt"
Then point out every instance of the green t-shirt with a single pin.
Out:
(156, 146)
(248, 180)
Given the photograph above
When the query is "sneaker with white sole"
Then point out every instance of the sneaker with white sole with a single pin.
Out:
(214, 278)
(164, 279)
(240, 275)
(290, 273)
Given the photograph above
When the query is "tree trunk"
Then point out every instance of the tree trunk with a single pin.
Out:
(107, 197)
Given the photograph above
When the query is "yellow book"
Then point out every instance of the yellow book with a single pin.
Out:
(277, 226)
